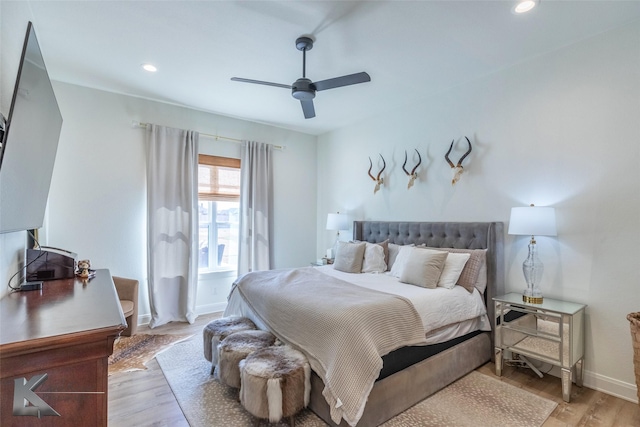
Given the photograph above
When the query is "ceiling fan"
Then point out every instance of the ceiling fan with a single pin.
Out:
(303, 88)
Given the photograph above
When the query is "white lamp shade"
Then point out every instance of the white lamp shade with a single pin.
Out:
(533, 221)
(337, 221)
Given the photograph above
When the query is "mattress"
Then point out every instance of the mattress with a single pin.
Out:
(404, 357)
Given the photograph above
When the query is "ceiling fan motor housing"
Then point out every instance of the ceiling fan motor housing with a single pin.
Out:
(303, 89)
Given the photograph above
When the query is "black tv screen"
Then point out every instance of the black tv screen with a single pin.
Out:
(29, 143)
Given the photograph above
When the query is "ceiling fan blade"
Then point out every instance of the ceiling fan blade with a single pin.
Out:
(307, 109)
(259, 82)
(350, 79)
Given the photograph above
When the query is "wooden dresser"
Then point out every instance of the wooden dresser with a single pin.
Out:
(54, 346)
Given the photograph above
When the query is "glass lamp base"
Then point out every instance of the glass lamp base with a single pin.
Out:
(532, 268)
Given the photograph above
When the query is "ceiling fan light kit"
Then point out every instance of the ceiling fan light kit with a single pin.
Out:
(304, 89)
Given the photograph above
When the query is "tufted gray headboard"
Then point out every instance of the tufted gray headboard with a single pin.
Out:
(461, 235)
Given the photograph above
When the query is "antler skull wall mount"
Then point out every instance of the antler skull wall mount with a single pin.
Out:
(379, 179)
(413, 175)
(457, 169)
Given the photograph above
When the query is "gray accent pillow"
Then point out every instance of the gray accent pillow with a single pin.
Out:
(423, 268)
(470, 277)
(385, 247)
(349, 257)
(393, 254)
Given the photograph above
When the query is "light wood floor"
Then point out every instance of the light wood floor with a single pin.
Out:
(143, 398)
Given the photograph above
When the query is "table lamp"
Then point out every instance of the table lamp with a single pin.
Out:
(336, 221)
(532, 221)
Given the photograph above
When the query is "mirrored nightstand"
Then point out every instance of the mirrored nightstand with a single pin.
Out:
(552, 332)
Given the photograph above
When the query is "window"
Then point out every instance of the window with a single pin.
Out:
(219, 212)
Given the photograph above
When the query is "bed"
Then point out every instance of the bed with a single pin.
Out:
(410, 369)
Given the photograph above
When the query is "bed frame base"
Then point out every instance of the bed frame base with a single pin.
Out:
(400, 391)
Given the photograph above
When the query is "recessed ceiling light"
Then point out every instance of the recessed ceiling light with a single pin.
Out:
(150, 68)
(524, 6)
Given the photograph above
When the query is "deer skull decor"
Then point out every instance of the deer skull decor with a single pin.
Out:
(379, 179)
(457, 169)
(413, 175)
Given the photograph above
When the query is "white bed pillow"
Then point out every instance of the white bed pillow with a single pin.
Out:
(399, 258)
(349, 257)
(452, 268)
(423, 267)
(373, 259)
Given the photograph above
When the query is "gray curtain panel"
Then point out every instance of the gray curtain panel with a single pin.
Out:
(256, 206)
(172, 223)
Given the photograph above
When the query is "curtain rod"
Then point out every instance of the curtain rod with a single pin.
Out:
(207, 135)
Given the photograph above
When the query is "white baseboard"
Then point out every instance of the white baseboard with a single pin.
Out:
(607, 385)
(211, 308)
(611, 386)
(144, 319)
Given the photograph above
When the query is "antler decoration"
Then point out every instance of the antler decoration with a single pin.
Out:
(413, 175)
(379, 179)
(457, 169)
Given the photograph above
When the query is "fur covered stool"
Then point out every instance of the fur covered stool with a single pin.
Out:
(275, 383)
(219, 329)
(237, 347)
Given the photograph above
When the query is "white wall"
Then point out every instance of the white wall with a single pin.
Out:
(97, 203)
(561, 130)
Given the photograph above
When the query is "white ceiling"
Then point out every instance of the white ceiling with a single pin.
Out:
(411, 49)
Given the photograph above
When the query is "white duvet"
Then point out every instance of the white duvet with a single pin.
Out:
(438, 308)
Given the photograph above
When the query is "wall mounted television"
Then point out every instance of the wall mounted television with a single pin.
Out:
(29, 143)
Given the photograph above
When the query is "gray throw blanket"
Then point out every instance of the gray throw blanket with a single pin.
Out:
(343, 329)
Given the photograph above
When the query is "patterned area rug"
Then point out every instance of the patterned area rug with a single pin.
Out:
(132, 353)
(476, 400)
